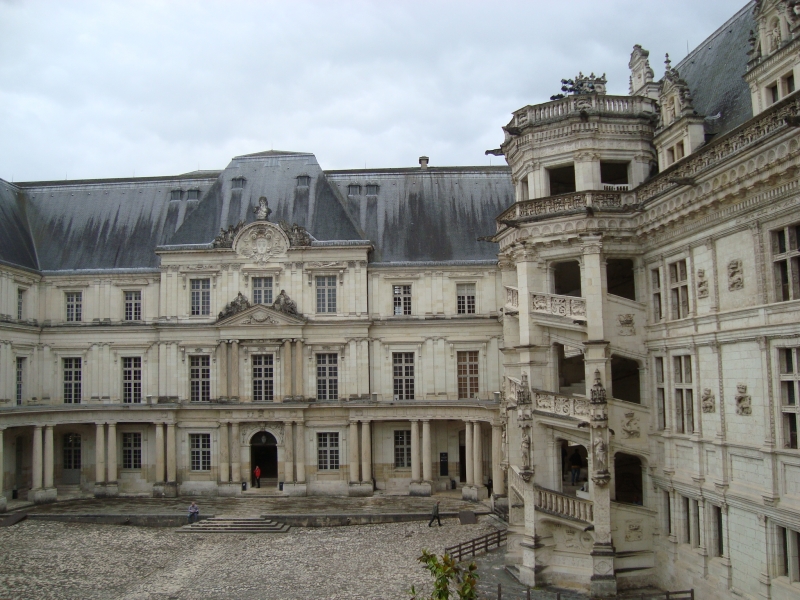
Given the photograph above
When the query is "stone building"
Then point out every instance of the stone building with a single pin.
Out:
(616, 360)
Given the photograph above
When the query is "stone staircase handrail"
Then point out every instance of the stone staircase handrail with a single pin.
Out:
(561, 405)
(572, 307)
(564, 505)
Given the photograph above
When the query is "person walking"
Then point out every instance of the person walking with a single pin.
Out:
(435, 515)
(257, 473)
(194, 513)
(575, 463)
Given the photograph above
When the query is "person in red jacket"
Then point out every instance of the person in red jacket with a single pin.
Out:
(257, 473)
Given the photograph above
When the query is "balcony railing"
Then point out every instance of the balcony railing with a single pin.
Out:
(558, 404)
(563, 505)
(562, 203)
(615, 187)
(586, 103)
(562, 306)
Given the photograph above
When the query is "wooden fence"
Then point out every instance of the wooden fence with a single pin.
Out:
(479, 544)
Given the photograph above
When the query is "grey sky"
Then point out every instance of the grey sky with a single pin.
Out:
(109, 89)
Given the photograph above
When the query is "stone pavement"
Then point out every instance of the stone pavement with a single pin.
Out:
(491, 569)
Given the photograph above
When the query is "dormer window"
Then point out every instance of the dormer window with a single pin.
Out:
(372, 190)
(193, 194)
(175, 195)
(353, 190)
(237, 183)
(303, 181)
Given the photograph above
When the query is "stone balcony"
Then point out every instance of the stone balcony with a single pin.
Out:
(561, 204)
(583, 104)
(562, 505)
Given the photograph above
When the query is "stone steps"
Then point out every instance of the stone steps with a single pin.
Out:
(236, 525)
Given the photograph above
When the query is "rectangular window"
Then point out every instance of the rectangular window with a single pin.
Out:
(772, 93)
(402, 448)
(74, 306)
(402, 300)
(326, 293)
(200, 378)
(695, 526)
(20, 303)
(132, 380)
(303, 181)
(72, 381)
(193, 195)
(467, 374)
(786, 263)
(20, 378)
(679, 289)
(327, 451)
(200, 447)
(262, 290)
(788, 562)
(687, 527)
(353, 190)
(372, 190)
(133, 306)
(660, 395)
(465, 298)
(684, 396)
(237, 183)
(403, 372)
(655, 278)
(790, 388)
(668, 512)
(175, 195)
(131, 450)
(327, 376)
(201, 297)
(263, 382)
(719, 531)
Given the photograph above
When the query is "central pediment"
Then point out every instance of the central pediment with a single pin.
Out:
(261, 241)
(260, 314)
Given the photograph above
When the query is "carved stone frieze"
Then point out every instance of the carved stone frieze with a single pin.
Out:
(562, 306)
(735, 275)
(262, 242)
(708, 401)
(743, 400)
(625, 324)
(702, 284)
(630, 426)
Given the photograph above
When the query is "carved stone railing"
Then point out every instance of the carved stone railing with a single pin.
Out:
(558, 404)
(512, 297)
(586, 103)
(563, 505)
(561, 306)
(615, 187)
(562, 203)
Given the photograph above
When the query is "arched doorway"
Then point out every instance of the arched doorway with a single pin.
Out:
(71, 472)
(264, 453)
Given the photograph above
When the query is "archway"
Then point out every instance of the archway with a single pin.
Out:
(264, 453)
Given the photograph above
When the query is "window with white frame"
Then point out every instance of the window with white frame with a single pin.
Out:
(684, 394)
(131, 450)
(201, 297)
(72, 380)
(402, 448)
(679, 289)
(788, 546)
(467, 365)
(661, 402)
(263, 377)
(133, 305)
(200, 378)
(465, 298)
(327, 376)
(20, 303)
(655, 281)
(20, 379)
(200, 451)
(328, 451)
(790, 388)
(402, 300)
(131, 379)
(74, 306)
(403, 375)
(326, 293)
(786, 263)
(262, 290)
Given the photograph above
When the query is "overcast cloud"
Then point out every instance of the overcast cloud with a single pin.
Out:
(113, 89)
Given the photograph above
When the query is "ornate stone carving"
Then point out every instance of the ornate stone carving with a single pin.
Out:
(285, 304)
(702, 284)
(525, 450)
(735, 275)
(263, 210)
(259, 244)
(236, 305)
(600, 456)
(708, 401)
(260, 319)
(562, 306)
(225, 237)
(625, 324)
(298, 236)
(633, 531)
(743, 400)
(630, 426)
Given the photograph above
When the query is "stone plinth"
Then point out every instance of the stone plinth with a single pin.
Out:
(359, 489)
(44, 495)
(474, 493)
(158, 490)
(171, 489)
(421, 488)
(229, 489)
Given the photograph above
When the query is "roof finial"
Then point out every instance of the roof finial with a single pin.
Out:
(667, 62)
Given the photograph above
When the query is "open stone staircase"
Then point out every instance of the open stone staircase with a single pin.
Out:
(235, 525)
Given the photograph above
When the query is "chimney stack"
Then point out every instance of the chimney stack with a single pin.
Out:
(423, 163)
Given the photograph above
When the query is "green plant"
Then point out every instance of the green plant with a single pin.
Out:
(447, 577)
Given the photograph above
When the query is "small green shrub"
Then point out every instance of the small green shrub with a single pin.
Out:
(448, 577)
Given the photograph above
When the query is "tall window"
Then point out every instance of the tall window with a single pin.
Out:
(790, 380)
(786, 263)
(467, 374)
(326, 294)
(465, 298)
(131, 450)
(327, 376)
(684, 397)
(262, 290)
(20, 378)
(668, 513)
(20, 303)
(679, 289)
(263, 383)
(74, 306)
(661, 403)
(72, 451)
(327, 451)
(719, 531)
(72, 381)
(402, 299)
(655, 279)
(402, 448)
(133, 306)
(686, 507)
(403, 372)
(201, 297)
(200, 378)
(132, 380)
(788, 562)
(200, 448)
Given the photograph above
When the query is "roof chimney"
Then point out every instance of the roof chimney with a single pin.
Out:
(423, 163)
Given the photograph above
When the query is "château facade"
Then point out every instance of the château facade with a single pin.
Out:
(614, 361)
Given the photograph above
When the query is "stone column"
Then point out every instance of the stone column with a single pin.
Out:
(288, 384)
(159, 453)
(414, 451)
(366, 452)
(298, 369)
(236, 465)
(301, 452)
(171, 488)
(288, 453)
(498, 485)
(593, 288)
(353, 452)
(469, 452)
(427, 472)
(222, 369)
(233, 379)
(224, 459)
(112, 453)
(37, 457)
(100, 454)
(48, 457)
(477, 443)
(3, 501)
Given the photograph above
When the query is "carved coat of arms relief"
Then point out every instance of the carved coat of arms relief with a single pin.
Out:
(261, 243)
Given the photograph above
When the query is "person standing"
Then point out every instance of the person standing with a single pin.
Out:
(194, 513)
(435, 515)
(257, 473)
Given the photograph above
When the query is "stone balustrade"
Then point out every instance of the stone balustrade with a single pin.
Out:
(563, 505)
(583, 103)
(559, 404)
(563, 203)
(615, 187)
(571, 307)
(512, 297)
